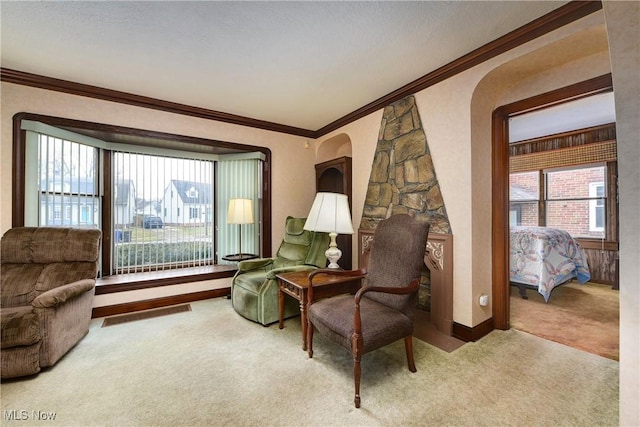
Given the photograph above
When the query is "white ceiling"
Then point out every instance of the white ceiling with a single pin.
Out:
(301, 64)
(582, 113)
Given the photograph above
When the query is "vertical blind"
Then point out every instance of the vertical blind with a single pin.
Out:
(67, 183)
(239, 179)
(162, 212)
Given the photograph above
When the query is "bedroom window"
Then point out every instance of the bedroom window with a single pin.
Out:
(524, 194)
(576, 200)
(596, 206)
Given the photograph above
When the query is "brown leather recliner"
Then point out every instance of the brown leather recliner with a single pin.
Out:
(47, 282)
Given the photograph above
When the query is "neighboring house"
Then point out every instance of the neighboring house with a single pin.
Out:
(146, 208)
(68, 202)
(187, 202)
(523, 206)
(125, 203)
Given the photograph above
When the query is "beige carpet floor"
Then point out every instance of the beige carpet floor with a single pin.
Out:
(581, 316)
(211, 367)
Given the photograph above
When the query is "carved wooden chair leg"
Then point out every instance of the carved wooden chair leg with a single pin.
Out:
(357, 346)
(356, 377)
(408, 346)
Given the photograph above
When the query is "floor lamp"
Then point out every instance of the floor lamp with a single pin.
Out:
(240, 212)
(330, 214)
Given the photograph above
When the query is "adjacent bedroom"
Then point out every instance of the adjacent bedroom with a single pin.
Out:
(563, 220)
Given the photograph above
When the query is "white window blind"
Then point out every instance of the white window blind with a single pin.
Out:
(162, 212)
(239, 179)
(67, 183)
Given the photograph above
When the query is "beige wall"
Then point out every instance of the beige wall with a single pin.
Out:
(293, 183)
(623, 29)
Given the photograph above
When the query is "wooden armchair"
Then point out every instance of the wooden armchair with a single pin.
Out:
(382, 310)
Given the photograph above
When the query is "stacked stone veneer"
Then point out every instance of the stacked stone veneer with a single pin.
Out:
(403, 179)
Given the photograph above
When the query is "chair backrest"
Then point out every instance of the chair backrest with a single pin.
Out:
(397, 257)
(37, 259)
(300, 246)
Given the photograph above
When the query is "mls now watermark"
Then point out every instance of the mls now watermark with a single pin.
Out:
(25, 415)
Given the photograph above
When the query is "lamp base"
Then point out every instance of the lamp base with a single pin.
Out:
(333, 253)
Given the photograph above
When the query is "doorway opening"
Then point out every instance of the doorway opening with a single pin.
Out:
(500, 182)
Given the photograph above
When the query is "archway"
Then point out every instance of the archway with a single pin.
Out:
(577, 57)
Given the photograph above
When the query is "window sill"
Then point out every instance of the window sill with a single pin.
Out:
(153, 279)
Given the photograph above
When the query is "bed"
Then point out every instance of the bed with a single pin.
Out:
(543, 258)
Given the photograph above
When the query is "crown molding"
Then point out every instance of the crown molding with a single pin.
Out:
(81, 89)
(564, 15)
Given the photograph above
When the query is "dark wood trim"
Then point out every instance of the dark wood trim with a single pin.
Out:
(465, 333)
(500, 182)
(137, 281)
(18, 164)
(595, 134)
(598, 244)
(129, 307)
(81, 89)
(500, 217)
(555, 19)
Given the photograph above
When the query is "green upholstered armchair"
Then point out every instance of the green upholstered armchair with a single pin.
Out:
(254, 289)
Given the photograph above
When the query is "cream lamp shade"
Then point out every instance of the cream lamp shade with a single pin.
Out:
(330, 214)
(240, 212)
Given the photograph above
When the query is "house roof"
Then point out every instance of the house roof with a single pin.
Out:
(517, 193)
(190, 192)
(299, 64)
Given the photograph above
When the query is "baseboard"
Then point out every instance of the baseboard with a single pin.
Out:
(465, 333)
(130, 307)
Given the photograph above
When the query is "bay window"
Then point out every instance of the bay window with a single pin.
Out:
(160, 200)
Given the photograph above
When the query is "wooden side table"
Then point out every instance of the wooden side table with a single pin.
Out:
(296, 285)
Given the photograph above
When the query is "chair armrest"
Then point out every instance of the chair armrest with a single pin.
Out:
(58, 296)
(413, 286)
(302, 267)
(357, 320)
(253, 264)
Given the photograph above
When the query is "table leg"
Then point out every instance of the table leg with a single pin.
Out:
(303, 319)
(280, 308)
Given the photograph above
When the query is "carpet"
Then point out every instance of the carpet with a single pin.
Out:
(211, 367)
(585, 317)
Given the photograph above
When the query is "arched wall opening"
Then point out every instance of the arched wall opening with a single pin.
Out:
(334, 147)
(578, 57)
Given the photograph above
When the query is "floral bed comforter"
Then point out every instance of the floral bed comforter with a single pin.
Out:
(545, 258)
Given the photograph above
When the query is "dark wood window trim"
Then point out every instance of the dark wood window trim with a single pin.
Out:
(137, 281)
(110, 284)
(553, 20)
(500, 182)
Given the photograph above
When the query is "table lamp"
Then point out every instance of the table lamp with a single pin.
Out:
(330, 214)
(240, 212)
